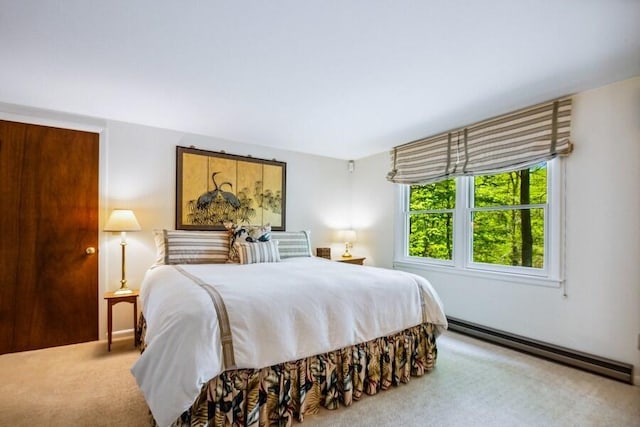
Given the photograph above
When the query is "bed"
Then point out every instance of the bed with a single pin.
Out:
(269, 341)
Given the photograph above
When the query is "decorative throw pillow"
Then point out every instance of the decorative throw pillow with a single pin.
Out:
(191, 247)
(246, 233)
(253, 233)
(251, 253)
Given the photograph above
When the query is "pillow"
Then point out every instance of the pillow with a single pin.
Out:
(251, 253)
(191, 247)
(293, 243)
(257, 233)
(246, 233)
(249, 233)
(158, 237)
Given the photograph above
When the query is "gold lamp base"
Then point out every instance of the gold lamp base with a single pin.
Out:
(347, 253)
(124, 289)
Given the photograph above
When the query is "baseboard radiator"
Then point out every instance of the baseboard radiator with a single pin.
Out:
(595, 364)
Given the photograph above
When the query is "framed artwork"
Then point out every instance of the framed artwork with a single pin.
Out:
(215, 187)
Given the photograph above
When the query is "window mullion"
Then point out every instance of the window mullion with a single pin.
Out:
(461, 239)
(508, 207)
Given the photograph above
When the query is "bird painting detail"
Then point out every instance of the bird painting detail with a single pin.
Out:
(217, 194)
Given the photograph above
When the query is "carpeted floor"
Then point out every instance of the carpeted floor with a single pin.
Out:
(474, 384)
(75, 385)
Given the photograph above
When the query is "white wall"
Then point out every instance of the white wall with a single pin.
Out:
(373, 210)
(601, 312)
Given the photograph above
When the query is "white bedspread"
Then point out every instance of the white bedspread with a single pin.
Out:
(278, 312)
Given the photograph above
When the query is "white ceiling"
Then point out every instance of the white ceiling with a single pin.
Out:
(344, 79)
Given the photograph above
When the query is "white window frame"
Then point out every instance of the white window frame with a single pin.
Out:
(462, 264)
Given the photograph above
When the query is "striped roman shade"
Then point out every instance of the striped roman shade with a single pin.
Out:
(251, 253)
(292, 243)
(510, 142)
(195, 247)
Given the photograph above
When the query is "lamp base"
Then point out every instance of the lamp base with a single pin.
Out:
(347, 250)
(123, 291)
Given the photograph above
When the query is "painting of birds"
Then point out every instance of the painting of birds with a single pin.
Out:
(229, 189)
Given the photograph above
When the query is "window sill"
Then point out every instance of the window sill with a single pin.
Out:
(482, 274)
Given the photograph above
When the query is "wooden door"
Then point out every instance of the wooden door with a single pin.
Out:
(48, 217)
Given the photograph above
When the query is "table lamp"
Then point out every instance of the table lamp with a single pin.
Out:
(122, 220)
(347, 236)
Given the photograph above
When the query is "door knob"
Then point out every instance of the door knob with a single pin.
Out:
(90, 250)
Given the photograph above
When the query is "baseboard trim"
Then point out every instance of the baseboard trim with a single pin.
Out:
(619, 371)
(122, 333)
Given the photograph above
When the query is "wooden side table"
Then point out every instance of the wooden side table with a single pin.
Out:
(350, 260)
(113, 299)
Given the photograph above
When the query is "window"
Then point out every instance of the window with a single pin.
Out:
(507, 217)
(503, 223)
(431, 209)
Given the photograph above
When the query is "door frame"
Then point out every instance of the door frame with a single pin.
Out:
(35, 116)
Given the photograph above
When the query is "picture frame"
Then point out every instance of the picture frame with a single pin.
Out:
(214, 188)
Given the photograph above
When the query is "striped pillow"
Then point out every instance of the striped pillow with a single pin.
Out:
(251, 253)
(194, 247)
(293, 243)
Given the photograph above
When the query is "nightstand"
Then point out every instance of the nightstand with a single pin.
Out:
(113, 299)
(350, 260)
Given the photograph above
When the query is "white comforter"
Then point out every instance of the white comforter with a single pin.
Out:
(278, 312)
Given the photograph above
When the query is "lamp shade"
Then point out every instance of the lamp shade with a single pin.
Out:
(347, 236)
(122, 220)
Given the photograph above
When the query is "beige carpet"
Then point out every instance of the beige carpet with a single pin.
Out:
(76, 385)
(474, 384)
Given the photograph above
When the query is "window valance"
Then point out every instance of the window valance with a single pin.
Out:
(501, 144)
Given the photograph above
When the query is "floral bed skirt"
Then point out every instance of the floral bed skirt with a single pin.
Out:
(277, 395)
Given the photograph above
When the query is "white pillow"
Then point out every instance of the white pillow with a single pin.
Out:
(158, 237)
